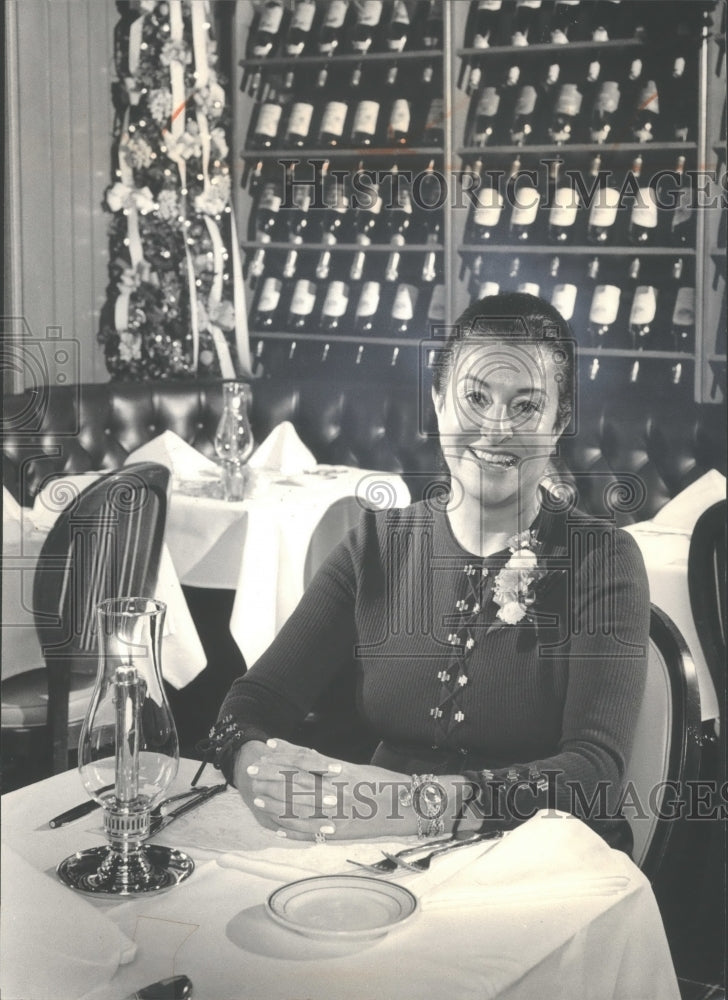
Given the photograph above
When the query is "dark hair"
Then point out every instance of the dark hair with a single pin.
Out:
(513, 316)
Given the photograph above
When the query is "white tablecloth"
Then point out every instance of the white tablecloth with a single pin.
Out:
(183, 657)
(585, 926)
(268, 546)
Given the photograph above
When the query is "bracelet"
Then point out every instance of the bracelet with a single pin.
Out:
(222, 743)
(427, 797)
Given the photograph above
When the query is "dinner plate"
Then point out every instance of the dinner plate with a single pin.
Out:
(344, 907)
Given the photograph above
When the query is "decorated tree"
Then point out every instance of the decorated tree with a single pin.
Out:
(175, 305)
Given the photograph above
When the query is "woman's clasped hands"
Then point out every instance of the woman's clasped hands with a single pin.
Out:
(301, 794)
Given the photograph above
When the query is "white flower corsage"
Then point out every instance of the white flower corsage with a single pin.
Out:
(513, 586)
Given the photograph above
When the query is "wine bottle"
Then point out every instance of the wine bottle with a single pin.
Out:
(431, 270)
(606, 20)
(398, 128)
(646, 114)
(265, 310)
(604, 112)
(303, 303)
(603, 214)
(586, 286)
(486, 24)
(398, 29)
(525, 200)
(334, 216)
(485, 221)
(564, 119)
(391, 267)
(298, 125)
(400, 214)
(642, 317)
(367, 307)
(433, 131)
(565, 22)
(644, 218)
(603, 313)
(365, 122)
(682, 325)
(524, 30)
(682, 220)
(267, 213)
(563, 293)
(524, 116)
(333, 123)
(299, 28)
(267, 122)
(335, 305)
(403, 310)
(365, 30)
(432, 28)
(431, 193)
(356, 270)
(266, 36)
(368, 208)
(297, 216)
(486, 288)
(563, 212)
(323, 265)
(435, 319)
(332, 29)
(486, 117)
(681, 104)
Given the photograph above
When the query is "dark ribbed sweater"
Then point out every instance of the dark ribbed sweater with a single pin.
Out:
(558, 694)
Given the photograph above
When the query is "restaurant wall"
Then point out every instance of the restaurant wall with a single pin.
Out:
(59, 61)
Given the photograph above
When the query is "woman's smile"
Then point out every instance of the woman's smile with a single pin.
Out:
(496, 459)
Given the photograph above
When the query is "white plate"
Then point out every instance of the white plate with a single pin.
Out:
(345, 907)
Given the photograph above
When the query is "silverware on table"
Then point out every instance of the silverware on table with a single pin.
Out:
(174, 988)
(422, 864)
(390, 861)
(160, 819)
(84, 808)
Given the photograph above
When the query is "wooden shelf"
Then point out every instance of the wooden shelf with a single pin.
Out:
(353, 153)
(342, 59)
(578, 148)
(542, 48)
(581, 249)
(344, 247)
(335, 338)
(625, 352)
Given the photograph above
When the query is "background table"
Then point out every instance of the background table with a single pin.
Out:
(267, 547)
(214, 927)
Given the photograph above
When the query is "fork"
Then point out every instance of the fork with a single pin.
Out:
(389, 863)
(422, 864)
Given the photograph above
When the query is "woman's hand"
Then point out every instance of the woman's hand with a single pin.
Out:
(299, 793)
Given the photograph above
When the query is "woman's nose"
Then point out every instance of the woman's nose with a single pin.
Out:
(497, 425)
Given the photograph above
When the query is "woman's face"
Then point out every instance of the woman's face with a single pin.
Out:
(498, 419)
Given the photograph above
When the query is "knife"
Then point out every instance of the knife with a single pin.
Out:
(174, 988)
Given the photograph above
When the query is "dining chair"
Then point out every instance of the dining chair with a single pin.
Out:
(666, 747)
(706, 586)
(106, 543)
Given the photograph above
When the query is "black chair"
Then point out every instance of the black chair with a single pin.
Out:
(106, 543)
(666, 746)
(706, 586)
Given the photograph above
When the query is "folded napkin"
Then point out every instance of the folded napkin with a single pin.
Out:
(54, 942)
(283, 451)
(12, 511)
(182, 460)
(685, 509)
(552, 856)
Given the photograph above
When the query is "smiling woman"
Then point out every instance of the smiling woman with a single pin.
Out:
(497, 635)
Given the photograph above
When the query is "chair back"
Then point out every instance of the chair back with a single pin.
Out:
(666, 748)
(707, 585)
(106, 543)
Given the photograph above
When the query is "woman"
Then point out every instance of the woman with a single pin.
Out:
(498, 636)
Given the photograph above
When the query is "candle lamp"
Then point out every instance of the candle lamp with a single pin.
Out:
(128, 755)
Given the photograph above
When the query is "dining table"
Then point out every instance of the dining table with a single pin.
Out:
(547, 911)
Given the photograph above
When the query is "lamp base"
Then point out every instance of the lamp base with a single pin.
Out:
(102, 871)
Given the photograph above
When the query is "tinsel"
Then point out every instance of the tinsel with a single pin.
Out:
(171, 184)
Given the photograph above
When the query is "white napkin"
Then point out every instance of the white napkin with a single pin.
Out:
(551, 856)
(11, 508)
(54, 942)
(685, 509)
(283, 451)
(183, 461)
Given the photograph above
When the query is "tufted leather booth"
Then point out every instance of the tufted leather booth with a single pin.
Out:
(627, 456)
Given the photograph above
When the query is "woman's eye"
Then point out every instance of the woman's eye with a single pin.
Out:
(475, 398)
(527, 406)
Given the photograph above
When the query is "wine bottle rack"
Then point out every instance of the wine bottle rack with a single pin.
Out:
(465, 69)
